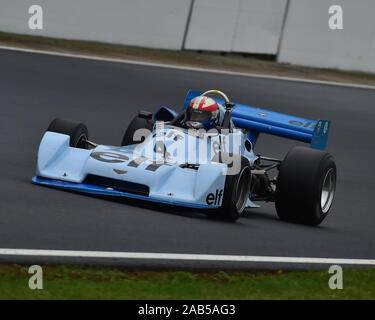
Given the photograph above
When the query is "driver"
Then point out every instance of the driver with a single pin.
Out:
(202, 112)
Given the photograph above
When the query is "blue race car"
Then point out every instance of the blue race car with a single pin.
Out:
(201, 158)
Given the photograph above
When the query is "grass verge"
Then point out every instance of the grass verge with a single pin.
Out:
(79, 282)
(236, 62)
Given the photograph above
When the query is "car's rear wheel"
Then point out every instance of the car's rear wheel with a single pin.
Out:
(142, 121)
(305, 186)
(236, 190)
(77, 131)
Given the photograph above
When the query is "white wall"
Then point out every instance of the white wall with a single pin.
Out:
(259, 26)
(146, 23)
(252, 26)
(212, 25)
(307, 39)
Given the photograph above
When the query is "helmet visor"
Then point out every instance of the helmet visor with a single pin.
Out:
(198, 115)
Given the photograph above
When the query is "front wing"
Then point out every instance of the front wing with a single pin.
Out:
(110, 192)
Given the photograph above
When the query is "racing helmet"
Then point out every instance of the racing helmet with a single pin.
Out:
(202, 112)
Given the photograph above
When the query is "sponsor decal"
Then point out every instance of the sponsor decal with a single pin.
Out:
(110, 157)
(214, 198)
(137, 161)
(302, 124)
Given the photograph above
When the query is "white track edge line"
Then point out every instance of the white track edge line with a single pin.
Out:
(180, 256)
(172, 66)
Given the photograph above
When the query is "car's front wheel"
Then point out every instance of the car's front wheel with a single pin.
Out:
(305, 186)
(236, 190)
(77, 131)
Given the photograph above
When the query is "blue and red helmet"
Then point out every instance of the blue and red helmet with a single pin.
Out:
(202, 112)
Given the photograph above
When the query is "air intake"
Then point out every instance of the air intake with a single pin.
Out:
(125, 186)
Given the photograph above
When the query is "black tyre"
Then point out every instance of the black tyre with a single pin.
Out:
(236, 192)
(142, 121)
(76, 130)
(305, 186)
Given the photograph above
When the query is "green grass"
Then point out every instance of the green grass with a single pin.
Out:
(78, 282)
(238, 62)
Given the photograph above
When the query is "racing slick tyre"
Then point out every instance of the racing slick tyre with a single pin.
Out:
(236, 191)
(76, 130)
(142, 121)
(305, 186)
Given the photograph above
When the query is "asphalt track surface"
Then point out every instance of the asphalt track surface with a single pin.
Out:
(35, 88)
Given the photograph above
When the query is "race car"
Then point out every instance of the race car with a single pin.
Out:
(202, 157)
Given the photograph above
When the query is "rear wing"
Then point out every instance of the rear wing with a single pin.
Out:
(259, 120)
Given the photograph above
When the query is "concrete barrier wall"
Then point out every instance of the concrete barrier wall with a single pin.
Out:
(145, 23)
(251, 26)
(307, 39)
(295, 30)
(212, 25)
(259, 26)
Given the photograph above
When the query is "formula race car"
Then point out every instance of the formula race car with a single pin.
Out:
(202, 158)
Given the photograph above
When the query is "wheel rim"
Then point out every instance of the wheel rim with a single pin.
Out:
(242, 187)
(328, 190)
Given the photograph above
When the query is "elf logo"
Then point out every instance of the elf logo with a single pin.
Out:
(214, 199)
(302, 124)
